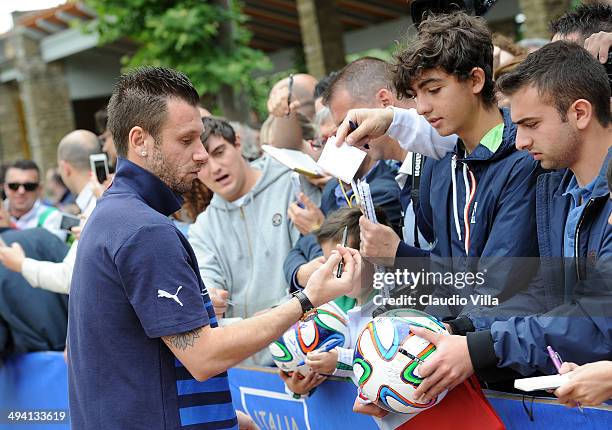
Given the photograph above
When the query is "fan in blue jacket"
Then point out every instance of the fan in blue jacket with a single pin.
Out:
(472, 202)
(560, 98)
(472, 197)
(571, 299)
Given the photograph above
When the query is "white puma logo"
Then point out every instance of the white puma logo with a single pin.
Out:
(162, 293)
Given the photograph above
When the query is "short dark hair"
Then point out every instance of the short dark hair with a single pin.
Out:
(333, 226)
(455, 43)
(585, 20)
(140, 99)
(23, 165)
(362, 79)
(323, 84)
(562, 72)
(219, 127)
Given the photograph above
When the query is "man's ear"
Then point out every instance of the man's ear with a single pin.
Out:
(238, 144)
(136, 140)
(477, 80)
(581, 113)
(63, 167)
(384, 97)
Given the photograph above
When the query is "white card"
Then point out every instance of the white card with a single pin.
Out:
(341, 162)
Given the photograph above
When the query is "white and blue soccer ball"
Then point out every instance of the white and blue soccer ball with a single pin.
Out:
(326, 330)
(387, 357)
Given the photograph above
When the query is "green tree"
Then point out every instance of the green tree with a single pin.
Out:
(204, 39)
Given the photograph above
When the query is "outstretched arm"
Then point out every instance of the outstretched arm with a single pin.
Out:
(208, 351)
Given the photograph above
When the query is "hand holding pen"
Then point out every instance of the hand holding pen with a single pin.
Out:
(558, 362)
(362, 125)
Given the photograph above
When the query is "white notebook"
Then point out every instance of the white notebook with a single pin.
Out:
(295, 160)
(341, 162)
(550, 382)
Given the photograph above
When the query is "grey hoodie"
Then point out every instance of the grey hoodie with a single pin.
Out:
(241, 249)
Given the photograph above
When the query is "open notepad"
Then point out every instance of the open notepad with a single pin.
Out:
(295, 160)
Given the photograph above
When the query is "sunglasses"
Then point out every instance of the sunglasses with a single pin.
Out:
(28, 186)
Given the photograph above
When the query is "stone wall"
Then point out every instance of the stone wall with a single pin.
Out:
(13, 136)
(46, 114)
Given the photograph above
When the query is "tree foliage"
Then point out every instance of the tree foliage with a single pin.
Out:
(186, 35)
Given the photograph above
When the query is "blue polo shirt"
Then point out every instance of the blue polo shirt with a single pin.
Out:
(135, 280)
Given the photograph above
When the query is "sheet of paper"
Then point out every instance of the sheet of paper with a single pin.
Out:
(295, 160)
(341, 162)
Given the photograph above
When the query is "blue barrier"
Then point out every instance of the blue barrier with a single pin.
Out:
(261, 393)
(38, 381)
(31, 382)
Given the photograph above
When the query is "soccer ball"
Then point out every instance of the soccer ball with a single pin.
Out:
(386, 360)
(326, 330)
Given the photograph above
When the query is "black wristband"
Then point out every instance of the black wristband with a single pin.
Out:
(305, 302)
(461, 325)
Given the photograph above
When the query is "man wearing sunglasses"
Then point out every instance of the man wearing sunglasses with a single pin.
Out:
(23, 189)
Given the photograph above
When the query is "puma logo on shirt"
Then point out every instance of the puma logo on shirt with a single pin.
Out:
(162, 293)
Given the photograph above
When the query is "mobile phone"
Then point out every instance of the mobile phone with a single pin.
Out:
(99, 165)
(68, 221)
(297, 188)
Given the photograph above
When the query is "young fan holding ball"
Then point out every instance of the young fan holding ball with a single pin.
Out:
(338, 361)
(358, 305)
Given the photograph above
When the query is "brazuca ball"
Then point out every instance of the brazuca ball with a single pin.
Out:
(387, 356)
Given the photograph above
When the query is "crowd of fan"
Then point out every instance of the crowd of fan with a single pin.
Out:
(256, 243)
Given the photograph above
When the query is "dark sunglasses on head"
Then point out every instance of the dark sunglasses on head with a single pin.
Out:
(28, 186)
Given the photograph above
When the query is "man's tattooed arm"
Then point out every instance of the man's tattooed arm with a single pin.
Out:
(183, 341)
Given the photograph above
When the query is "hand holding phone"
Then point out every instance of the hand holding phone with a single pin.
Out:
(99, 166)
(68, 221)
(297, 188)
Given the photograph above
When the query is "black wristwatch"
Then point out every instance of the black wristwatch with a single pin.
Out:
(305, 302)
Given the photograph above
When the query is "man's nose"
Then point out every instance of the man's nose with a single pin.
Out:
(523, 141)
(201, 155)
(422, 106)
